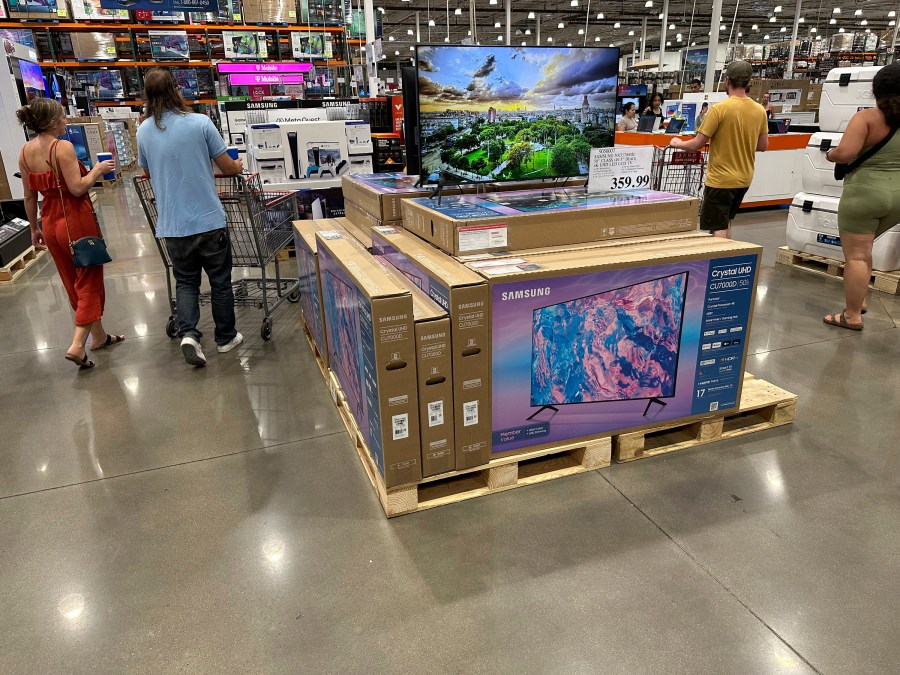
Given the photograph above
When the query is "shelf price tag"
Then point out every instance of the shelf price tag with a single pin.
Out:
(622, 168)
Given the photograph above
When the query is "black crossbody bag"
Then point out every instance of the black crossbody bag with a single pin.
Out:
(841, 170)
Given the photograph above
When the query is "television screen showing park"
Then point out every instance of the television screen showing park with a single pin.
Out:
(514, 113)
(620, 344)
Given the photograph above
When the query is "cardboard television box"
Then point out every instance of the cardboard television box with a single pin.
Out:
(379, 194)
(308, 271)
(371, 343)
(364, 220)
(463, 293)
(434, 365)
(468, 224)
(591, 342)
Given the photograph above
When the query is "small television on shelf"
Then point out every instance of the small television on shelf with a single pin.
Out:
(102, 85)
(169, 45)
(245, 44)
(187, 82)
(618, 345)
(514, 113)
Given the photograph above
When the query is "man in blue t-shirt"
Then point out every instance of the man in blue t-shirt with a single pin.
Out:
(175, 147)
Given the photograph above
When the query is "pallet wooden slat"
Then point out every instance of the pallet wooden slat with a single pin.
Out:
(888, 282)
(20, 264)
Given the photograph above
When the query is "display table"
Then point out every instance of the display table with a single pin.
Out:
(777, 176)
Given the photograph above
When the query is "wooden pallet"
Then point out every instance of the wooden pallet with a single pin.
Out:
(20, 264)
(287, 253)
(889, 282)
(320, 361)
(498, 475)
(762, 406)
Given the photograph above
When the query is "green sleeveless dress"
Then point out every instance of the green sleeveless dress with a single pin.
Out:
(870, 203)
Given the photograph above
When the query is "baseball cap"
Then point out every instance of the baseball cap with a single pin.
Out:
(739, 70)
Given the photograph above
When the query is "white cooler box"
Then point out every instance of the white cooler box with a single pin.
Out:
(816, 172)
(845, 91)
(812, 228)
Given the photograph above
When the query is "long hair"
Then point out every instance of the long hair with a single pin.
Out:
(41, 114)
(886, 87)
(162, 94)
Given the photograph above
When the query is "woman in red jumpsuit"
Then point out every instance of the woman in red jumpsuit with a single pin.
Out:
(42, 159)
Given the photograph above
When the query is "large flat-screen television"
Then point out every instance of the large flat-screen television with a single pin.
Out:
(343, 336)
(514, 113)
(187, 82)
(169, 45)
(31, 79)
(104, 85)
(410, 81)
(618, 345)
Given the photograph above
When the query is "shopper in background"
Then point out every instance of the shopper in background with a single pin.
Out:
(175, 147)
(870, 203)
(628, 121)
(704, 111)
(655, 107)
(49, 166)
(767, 106)
(696, 86)
(735, 129)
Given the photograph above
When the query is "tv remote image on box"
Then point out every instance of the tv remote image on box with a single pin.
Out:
(292, 143)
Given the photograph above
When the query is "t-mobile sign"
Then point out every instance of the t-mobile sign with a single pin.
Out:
(239, 80)
(280, 68)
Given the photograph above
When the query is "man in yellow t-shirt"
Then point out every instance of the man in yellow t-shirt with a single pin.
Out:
(735, 129)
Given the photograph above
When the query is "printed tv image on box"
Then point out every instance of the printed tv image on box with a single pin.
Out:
(514, 113)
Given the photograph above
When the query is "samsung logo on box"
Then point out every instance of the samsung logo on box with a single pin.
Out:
(527, 293)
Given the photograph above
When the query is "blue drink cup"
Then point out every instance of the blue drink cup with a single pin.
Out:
(102, 157)
(232, 152)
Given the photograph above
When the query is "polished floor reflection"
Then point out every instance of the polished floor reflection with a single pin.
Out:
(156, 518)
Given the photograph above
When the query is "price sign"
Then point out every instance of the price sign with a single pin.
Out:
(622, 168)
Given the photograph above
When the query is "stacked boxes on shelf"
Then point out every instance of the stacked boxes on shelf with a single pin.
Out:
(812, 223)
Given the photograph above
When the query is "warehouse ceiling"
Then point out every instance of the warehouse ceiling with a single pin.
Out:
(581, 22)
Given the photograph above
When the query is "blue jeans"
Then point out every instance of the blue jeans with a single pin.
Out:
(210, 252)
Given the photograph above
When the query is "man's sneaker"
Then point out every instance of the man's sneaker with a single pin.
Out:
(227, 347)
(193, 354)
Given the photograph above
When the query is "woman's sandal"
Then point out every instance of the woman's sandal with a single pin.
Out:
(110, 340)
(81, 363)
(840, 321)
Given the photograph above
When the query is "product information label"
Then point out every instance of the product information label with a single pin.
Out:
(828, 239)
(436, 413)
(478, 237)
(470, 413)
(400, 426)
(622, 168)
(723, 334)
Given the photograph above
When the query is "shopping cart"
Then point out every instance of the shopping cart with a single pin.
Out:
(680, 172)
(259, 226)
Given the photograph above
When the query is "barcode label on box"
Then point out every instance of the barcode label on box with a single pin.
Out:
(470, 413)
(436, 413)
(714, 406)
(400, 424)
(482, 236)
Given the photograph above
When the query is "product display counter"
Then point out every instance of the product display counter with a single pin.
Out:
(777, 176)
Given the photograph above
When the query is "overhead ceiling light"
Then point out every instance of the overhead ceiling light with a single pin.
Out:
(766, 36)
(740, 35)
(649, 3)
(617, 25)
(524, 44)
(409, 31)
(630, 33)
(678, 37)
(669, 43)
(892, 23)
(431, 23)
(497, 24)
(721, 28)
(772, 19)
(597, 39)
(549, 39)
(777, 9)
(660, 16)
(671, 26)
(568, 44)
(560, 25)
(802, 19)
(868, 30)
(493, 2)
(836, 10)
(892, 14)
(611, 44)
(857, 12)
(457, 11)
(600, 16)
(390, 38)
(381, 9)
(499, 38)
(581, 31)
(469, 33)
(755, 27)
(530, 15)
(784, 29)
(833, 21)
(863, 23)
(411, 48)
(813, 30)
(693, 44)
(840, 30)
(396, 53)
(527, 31)
(574, 3)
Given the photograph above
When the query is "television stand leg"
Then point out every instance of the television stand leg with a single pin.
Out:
(652, 401)
(542, 409)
